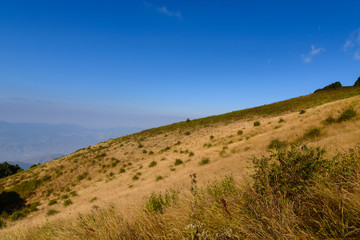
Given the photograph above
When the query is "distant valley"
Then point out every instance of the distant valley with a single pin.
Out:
(29, 143)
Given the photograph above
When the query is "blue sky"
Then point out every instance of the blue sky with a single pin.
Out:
(148, 63)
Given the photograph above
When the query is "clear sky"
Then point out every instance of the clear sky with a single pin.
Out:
(103, 63)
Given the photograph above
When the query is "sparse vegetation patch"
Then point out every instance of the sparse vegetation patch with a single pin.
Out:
(67, 202)
(277, 144)
(51, 212)
(204, 161)
(311, 134)
(347, 115)
(153, 164)
(82, 176)
(52, 202)
(178, 162)
(330, 120)
(158, 202)
(158, 178)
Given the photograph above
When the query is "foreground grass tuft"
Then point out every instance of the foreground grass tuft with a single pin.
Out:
(292, 194)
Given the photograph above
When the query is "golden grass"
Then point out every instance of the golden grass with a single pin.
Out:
(229, 154)
(226, 209)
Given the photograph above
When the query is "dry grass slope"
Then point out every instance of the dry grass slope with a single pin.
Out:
(101, 192)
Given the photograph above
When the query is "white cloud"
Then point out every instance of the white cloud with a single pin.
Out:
(352, 44)
(348, 44)
(357, 55)
(307, 58)
(164, 10)
(316, 51)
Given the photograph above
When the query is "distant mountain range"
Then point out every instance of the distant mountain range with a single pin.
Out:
(29, 143)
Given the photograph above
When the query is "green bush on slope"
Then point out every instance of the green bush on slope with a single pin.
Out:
(357, 83)
(7, 169)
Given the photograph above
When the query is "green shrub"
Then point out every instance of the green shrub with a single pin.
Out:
(187, 133)
(178, 162)
(17, 215)
(10, 201)
(34, 166)
(122, 170)
(222, 153)
(65, 196)
(212, 137)
(240, 132)
(221, 189)
(281, 120)
(93, 199)
(277, 144)
(191, 154)
(101, 155)
(67, 202)
(153, 164)
(288, 172)
(158, 202)
(48, 192)
(114, 162)
(7, 169)
(357, 83)
(315, 198)
(51, 212)
(158, 178)
(165, 149)
(33, 207)
(136, 176)
(302, 112)
(144, 151)
(140, 146)
(4, 214)
(73, 193)
(26, 188)
(256, 124)
(334, 85)
(347, 115)
(2, 224)
(45, 178)
(311, 134)
(82, 176)
(52, 202)
(207, 145)
(204, 161)
(330, 120)
(151, 153)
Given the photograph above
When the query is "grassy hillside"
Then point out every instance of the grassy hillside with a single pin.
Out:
(291, 105)
(142, 180)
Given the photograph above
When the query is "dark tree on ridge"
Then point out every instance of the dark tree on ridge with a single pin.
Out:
(357, 83)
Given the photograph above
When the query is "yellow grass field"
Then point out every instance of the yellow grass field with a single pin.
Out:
(113, 180)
